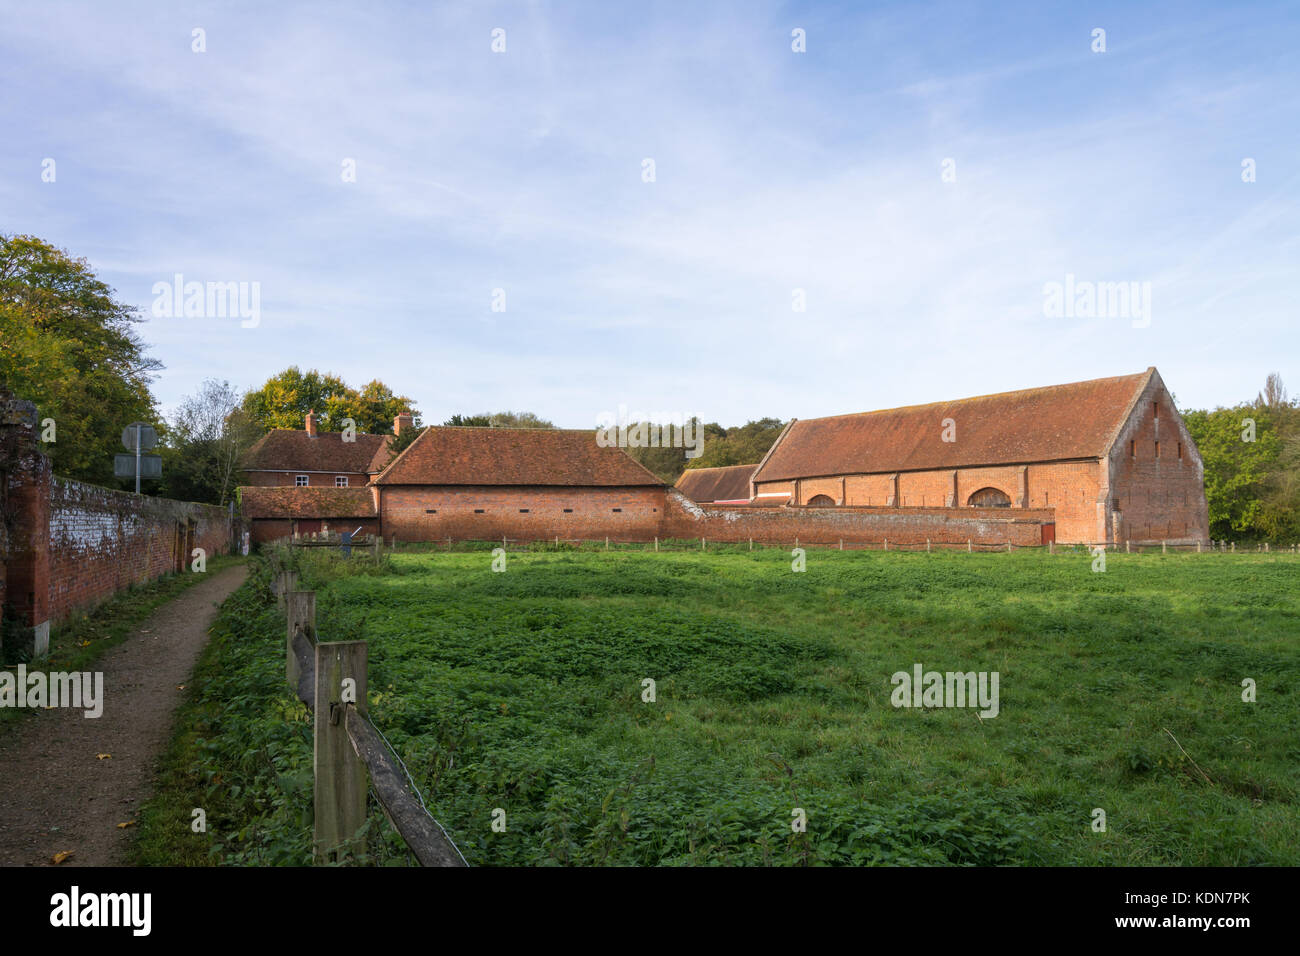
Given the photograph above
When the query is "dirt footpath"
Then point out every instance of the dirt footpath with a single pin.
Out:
(56, 793)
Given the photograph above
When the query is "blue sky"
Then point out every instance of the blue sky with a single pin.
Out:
(774, 171)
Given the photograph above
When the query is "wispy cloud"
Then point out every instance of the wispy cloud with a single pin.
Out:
(775, 172)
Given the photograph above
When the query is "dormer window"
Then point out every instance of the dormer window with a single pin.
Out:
(300, 481)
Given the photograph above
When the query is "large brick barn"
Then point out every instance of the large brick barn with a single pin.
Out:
(1111, 457)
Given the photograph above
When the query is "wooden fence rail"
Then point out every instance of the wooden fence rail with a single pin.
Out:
(350, 755)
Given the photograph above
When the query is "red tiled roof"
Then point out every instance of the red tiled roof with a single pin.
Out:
(1078, 420)
(728, 483)
(307, 502)
(286, 449)
(466, 455)
(770, 500)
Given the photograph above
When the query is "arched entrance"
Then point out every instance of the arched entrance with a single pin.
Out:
(821, 501)
(988, 498)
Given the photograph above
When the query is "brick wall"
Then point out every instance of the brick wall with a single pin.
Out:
(854, 525)
(525, 513)
(1069, 489)
(102, 541)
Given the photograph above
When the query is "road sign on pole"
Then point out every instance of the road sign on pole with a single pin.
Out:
(150, 466)
(136, 438)
(148, 436)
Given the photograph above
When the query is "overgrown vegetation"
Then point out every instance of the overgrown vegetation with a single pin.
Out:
(522, 691)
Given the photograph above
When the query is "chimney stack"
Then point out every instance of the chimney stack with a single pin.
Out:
(311, 423)
(402, 423)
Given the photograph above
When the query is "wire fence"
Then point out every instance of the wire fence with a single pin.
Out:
(392, 544)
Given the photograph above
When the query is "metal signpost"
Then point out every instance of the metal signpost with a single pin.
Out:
(136, 438)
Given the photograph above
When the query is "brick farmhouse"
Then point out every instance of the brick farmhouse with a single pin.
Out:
(1100, 461)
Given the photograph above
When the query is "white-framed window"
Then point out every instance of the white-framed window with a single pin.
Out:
(300, 481)
(340, 481)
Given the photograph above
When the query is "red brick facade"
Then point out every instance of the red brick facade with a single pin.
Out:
(527, 513)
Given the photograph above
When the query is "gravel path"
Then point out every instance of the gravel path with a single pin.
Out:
(56, 793)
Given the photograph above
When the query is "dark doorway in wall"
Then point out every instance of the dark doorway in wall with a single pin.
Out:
(821, 501)
(989, 498)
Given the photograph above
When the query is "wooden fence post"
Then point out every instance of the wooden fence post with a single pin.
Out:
(340, 774)
(1051, 546)
(286, 581)
(300, 611)
(656, 543)
(968, 546)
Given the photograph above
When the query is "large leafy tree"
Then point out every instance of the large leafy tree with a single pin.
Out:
(1236, 469)
(69, 345)
(285, 399)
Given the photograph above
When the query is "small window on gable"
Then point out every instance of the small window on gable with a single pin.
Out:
(1132, 448)
(1156, 408)
(1157, 449)
(340, 481)
(1180, 451)
(300, 481)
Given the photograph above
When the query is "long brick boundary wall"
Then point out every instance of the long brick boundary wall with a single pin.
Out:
(102, 541)
(66, 546)
(1024, 527)
(640, 514)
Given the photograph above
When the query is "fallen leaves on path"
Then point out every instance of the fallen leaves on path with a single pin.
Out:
(103, 756)
(61, 856)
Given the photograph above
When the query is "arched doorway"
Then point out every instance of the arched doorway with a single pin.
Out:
(821, 501)
(988, 498)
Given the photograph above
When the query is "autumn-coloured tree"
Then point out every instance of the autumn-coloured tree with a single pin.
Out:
(69, 345)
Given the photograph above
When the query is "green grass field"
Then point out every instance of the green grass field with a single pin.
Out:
(523, 691)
